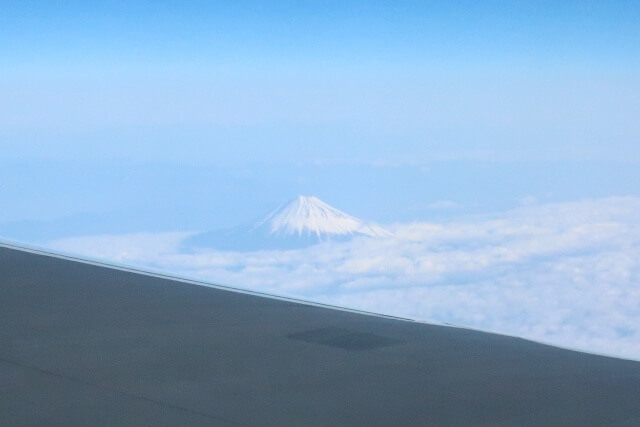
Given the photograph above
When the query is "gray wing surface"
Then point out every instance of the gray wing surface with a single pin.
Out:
(86, 344)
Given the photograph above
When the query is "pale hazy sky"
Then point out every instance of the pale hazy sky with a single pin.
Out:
(112, 108)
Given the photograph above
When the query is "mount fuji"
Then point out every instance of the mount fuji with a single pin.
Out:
(302, 222)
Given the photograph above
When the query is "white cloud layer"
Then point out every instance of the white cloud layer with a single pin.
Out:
(567, 274)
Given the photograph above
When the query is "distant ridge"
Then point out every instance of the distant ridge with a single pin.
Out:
(302, 222)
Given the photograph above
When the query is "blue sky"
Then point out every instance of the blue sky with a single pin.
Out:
(380, 108)
(255, 32)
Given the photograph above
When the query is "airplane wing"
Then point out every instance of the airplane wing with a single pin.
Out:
(89, 344)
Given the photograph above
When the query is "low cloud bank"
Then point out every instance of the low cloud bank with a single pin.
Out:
(567, 273)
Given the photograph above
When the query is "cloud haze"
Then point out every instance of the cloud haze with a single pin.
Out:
(564, 273)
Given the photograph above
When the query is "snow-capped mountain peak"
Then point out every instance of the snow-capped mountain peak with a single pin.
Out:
(303, 222)
(308, 215)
